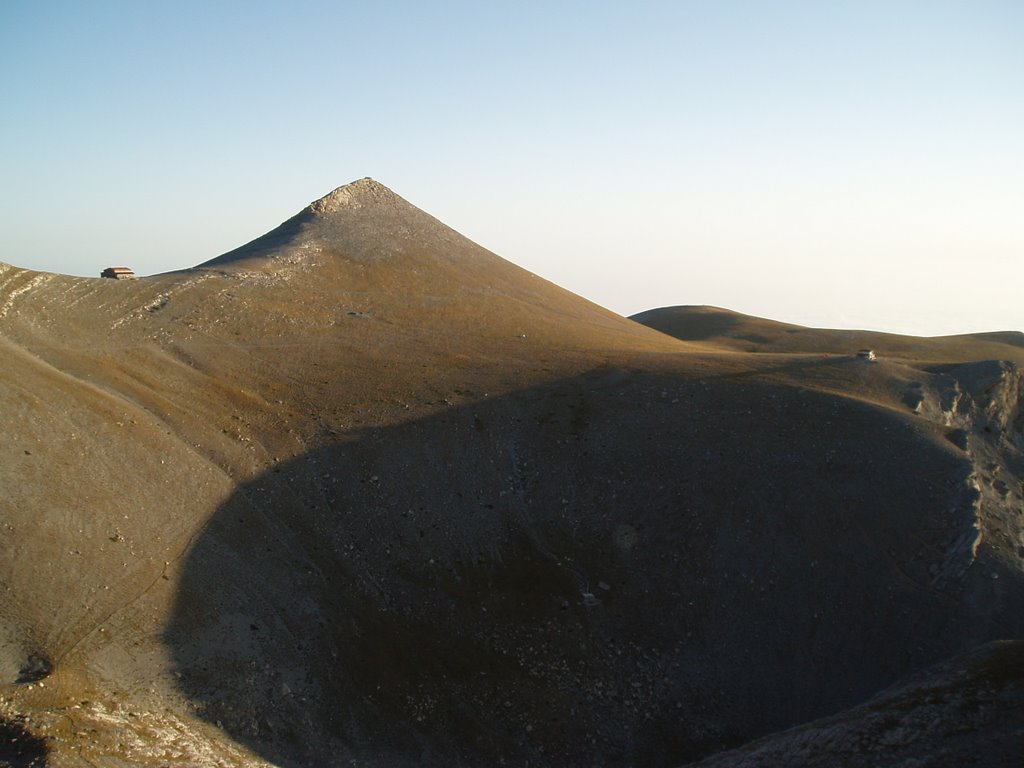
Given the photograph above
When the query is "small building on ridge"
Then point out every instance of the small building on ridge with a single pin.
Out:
(118, 273)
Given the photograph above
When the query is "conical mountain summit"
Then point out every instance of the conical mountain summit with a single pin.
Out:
(363, 221)
(364, 245)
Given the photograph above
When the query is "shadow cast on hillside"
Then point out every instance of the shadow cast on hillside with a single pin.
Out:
(693, 326)
(19, 748)
(622, 568)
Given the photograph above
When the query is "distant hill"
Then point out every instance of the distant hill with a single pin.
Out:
(734, 331)
(361, 491)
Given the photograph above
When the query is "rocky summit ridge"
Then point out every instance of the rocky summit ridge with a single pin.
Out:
(355, 195)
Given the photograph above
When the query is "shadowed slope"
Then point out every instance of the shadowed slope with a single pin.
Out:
(962, 712)
(622, 568)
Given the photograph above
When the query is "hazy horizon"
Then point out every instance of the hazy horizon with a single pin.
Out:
(852, 167)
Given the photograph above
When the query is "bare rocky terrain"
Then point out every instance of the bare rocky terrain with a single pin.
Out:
(363, 493)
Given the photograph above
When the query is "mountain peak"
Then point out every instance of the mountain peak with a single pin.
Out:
(361, 216)
(354, 195)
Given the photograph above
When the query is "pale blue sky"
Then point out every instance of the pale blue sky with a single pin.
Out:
(855, 164)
